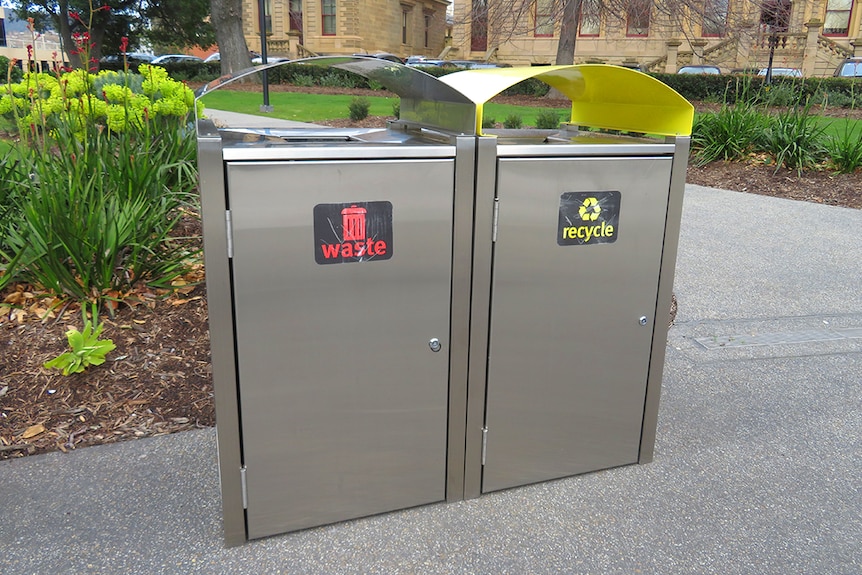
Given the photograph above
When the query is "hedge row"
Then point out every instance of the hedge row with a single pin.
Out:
(838, 91)
(732, 88)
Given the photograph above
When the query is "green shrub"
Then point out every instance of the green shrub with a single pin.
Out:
(512, 122)
(338, 81)
(845, 149)
(305, 80)
(10, 192)
(729, 134)
(836, 99)
(528, 87)
(359, 108)
(781, 95)
(396, 109)
(794, 139)
(9, 72)
(489, 122)
(548, 120)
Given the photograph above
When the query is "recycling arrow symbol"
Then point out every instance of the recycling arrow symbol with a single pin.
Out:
(590, 210)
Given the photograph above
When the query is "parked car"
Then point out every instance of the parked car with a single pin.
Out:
(699, 69)
(383, 56)
(434, 63)
(216, 56)
(633, 66)
(269, 60)
(137, 57)
(849, 68)
(789, 72)
(174, 59)
(478, 64)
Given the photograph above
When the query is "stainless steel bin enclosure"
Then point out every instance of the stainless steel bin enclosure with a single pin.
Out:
(574, 252)
(338, 312)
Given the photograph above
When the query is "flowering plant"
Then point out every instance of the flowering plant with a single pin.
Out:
(104, 170)
(118, 101)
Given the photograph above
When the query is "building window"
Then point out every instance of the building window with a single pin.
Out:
(328, 12)
(479, 26)
(2, 33)
(405, 18)
(637, 17)
(590, 18)
(837, 21)
(543, 13)
(296, 15)
(715, 17)
(427, 16)
(775, 15)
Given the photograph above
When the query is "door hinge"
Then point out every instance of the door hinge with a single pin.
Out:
(229, 229)
(244, 486)
(496, 217)
(484, 443)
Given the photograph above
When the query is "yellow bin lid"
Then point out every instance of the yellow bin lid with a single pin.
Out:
(603, 96)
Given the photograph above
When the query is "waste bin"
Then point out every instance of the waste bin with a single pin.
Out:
(575, 244)
(338, 313)
(427, 312)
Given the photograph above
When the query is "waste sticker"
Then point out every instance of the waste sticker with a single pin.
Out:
(352, 232)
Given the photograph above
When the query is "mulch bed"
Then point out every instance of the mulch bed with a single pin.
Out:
(158, 380)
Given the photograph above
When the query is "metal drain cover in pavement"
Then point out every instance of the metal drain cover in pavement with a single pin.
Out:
(781, 338)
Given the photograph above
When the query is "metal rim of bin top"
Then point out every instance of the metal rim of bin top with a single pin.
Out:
(602, 96)
(424, 99)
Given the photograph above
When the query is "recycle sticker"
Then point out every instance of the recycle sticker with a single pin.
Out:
(588, 218)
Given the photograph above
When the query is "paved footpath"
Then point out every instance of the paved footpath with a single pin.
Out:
(758, 465)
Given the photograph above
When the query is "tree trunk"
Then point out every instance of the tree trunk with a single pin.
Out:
(568, 32)
(66, 35)
(227, 20)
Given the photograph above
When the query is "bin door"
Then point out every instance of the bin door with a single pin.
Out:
(341, 275)
(576, 266)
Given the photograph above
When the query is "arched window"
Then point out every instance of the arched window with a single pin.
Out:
(479, 26)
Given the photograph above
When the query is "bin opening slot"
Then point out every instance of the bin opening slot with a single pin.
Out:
(318, 139)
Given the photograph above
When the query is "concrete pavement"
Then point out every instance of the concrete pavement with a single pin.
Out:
(757, 468)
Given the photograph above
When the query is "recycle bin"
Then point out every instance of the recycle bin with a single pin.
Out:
(427, 312)
(338, 314)
(574, 250)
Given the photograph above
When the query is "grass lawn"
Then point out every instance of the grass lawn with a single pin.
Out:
(839, 127)
(316, 107)
(295, 105)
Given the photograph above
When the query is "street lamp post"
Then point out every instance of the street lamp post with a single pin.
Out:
(773, 44)
(261, 9)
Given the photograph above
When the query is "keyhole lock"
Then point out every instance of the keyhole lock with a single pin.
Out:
(643, 320)
(434, 344)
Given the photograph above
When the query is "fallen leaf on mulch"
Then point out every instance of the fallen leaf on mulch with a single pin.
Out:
(33, 431)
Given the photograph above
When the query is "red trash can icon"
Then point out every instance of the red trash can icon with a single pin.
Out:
(353, 224)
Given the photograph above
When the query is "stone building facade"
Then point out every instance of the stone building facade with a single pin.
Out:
(299, 28)
(811, 35)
